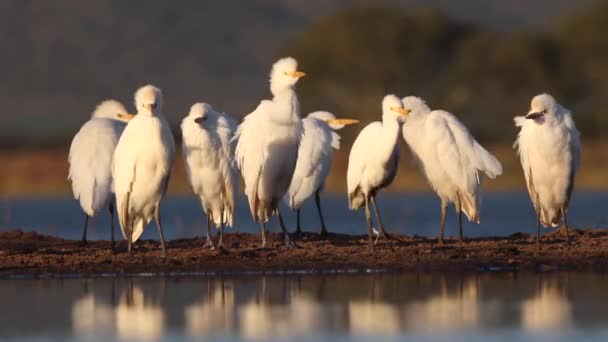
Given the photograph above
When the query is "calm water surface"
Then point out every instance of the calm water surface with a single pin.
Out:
(408, 213)
(487, 307)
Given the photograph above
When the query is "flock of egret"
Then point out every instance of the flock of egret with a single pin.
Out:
(284, 157)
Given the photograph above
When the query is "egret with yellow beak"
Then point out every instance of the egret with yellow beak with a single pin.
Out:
(373, 161)
(315, 154)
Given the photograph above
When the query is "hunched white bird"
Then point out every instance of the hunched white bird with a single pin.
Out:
(142, 166)
(549, 149)
(450, 159)
(267, 147)
(373, 161)
(90, 159)
(208, 157)
(315, 154)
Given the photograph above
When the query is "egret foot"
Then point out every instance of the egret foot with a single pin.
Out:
(289, 243)
(209, 243)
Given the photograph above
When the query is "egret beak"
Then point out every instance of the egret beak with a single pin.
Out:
(404, 112)
(125, 116)
(534, 115)
(296, 74)
(342, 122)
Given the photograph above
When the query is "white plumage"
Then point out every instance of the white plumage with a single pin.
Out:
(374, 159)
(314, 160)
(549, 149)
(208, 156)
(449, 157)
(268, 140)
(90, 159)
(142, 165)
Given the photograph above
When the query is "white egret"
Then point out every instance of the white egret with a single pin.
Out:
(208, 156)
(549, 148)
(142, 165)
(450, 159)
(90, 160)
(267, 148)
(374, 159)
(319, 139)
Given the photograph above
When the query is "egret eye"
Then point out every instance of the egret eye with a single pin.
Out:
(285, 73)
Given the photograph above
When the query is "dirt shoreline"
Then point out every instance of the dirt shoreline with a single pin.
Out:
(33, 254)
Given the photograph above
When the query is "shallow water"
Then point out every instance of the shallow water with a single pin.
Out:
(510, 307)
(407, 213)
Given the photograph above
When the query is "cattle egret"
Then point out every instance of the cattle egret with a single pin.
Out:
(314, 161)
(267, 148)
(549, 149)
(208, 157)
(142, 165)
(90, 161)
(373, 161)
(450, 159)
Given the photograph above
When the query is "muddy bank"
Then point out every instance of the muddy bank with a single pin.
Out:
(34, 254)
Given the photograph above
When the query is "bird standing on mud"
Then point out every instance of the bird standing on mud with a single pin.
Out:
(267, 148)
(549, 149)
(142, 165)
(208, 156)
(90, 159)
(373, 161)
(314, 161)
(450, 159)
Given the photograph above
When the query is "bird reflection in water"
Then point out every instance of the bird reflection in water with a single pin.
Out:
(549, 309)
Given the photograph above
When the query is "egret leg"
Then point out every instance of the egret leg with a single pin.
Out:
(128, 222)
(444, 212)
(298, 231)
(208, 241)
(318, 202)
(382, 233)
(565, 225)
(460, 223)
(160, 230)
(460, 220)
(288, 242)
(84, 231)
(368, 218)
(220, 242)
(263, 228)
(112, 242)
(538, 224)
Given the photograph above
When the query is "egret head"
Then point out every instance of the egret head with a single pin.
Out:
(416, 106)
(284, 74)
(393, 107)
(200, 112)
(149, 100)
(112, 109)
(542, 105)
(331, 120)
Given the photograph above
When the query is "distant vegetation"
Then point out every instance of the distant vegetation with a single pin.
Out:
(357, 55)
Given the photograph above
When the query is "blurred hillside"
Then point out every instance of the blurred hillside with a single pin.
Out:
(486, 78)
(60, 58)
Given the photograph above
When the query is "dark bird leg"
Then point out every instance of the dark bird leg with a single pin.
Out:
(208, 241)
(318, 202)
(263, 228)
(128, 223)
(444, 212)
(565, 225)
(288, 242)
(220, 242)
(537, 222)
(382, 234)
(84, 231)
(459, 212)
(368, 218)
(160, 230)
(112, 241)
(298, 226)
